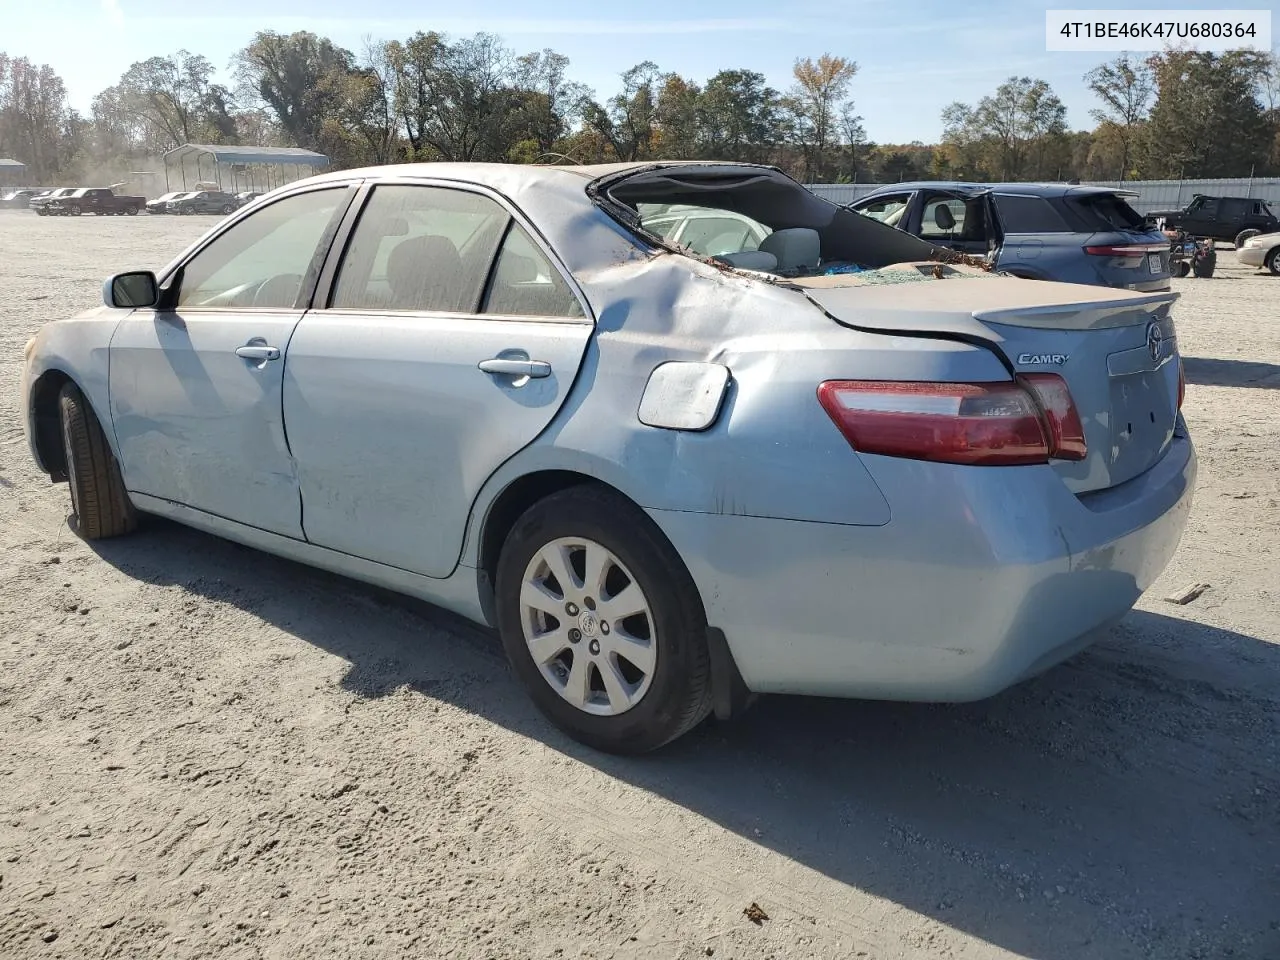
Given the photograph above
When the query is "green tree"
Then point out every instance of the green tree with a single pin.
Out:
(1126, 87)
(1207, 120)
(817, 100)
(1009, 134)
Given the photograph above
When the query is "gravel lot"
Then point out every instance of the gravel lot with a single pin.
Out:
(208, 752)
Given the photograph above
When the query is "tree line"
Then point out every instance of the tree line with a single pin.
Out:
(430, 97)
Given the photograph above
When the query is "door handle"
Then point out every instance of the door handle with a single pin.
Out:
(506, 367)
(258, 351)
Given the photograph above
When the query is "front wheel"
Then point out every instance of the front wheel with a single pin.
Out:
(602, 623)
(132, 211)
(75, 210)
(1272, 262)
(1181, 269)
(98, 497)
(227, 208)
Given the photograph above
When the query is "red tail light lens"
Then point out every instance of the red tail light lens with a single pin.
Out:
(1066, 433)
(980, 424)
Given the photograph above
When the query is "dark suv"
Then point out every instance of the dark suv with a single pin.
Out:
(1229, 219)
(1040, 231)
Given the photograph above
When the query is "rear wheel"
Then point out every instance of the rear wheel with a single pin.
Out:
(1244, 235)
(602, 622)
(132, 211)
(75, 210)
(1181, 268)
(98, 497)
(227, 208)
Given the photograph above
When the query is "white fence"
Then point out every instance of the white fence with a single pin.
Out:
(1151, 194)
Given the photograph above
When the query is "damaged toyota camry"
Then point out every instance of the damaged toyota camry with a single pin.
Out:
(683, 433)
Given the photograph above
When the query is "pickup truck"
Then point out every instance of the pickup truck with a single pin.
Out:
(1226, 219)
(96, 200)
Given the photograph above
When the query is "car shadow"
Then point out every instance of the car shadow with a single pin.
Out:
(1208, 372)
(1111, 808)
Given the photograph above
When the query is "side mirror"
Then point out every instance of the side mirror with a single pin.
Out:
(129, 290)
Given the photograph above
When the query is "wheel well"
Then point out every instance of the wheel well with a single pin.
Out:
(512, 503)
(47, 423)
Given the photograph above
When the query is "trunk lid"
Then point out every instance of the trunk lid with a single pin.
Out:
(1116, 350)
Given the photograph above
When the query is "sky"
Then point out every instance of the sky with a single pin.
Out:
(913, 57)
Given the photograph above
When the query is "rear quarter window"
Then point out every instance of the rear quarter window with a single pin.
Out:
(1025, 214)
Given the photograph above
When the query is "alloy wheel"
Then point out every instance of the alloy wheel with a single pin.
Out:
(588, 625)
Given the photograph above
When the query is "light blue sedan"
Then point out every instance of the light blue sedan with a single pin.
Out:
(833, 461)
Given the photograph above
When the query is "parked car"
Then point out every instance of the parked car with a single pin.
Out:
(19, 199)
(1060, 232)
(161, 203)
(100, 201)
(668, 480)
(1225, 219)
(710, 233)
(246, 197)
(1262, 250)
(40, 203)
(204, 201)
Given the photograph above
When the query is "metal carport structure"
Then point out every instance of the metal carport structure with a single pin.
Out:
(12, 172)
(235, 168)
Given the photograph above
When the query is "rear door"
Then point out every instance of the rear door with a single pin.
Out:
(448, 341)
(1231, 216)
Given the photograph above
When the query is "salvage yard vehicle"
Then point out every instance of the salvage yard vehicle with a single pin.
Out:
(837, 464)
(40, 204)
(161, 203)
(100, 201)
(246, 197)
(1226, 219)
(203, 201)
(1060, 232)
(1262, 251)
(20, 199)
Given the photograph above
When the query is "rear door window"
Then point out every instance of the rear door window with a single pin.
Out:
(1027, 214)
(420, 248)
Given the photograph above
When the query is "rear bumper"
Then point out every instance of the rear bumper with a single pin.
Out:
(983, 577)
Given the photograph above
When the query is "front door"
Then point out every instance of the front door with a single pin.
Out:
(196, 384)
(449, 342)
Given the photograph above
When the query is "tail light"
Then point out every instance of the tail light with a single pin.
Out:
(1030, 420)
(1126, 249)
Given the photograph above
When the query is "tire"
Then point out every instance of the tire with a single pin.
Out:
(75, 210)
(1243, 236)
(41, 212)
(131, 211)
(98, 498)
(227, 209)
(1204, 268)
(674, 695)
(1181, 269)
(1272, 262)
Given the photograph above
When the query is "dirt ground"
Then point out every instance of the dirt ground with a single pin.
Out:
(208, 752)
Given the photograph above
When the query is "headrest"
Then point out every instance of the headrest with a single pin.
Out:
(943, 217)
(797, 248)
(750, 260)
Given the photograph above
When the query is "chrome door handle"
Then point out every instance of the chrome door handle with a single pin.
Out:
(534, 369)
(256, 351)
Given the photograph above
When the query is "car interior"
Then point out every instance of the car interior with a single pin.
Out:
(807, 236)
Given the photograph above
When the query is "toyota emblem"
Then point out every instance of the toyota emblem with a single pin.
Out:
(1155, 340)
